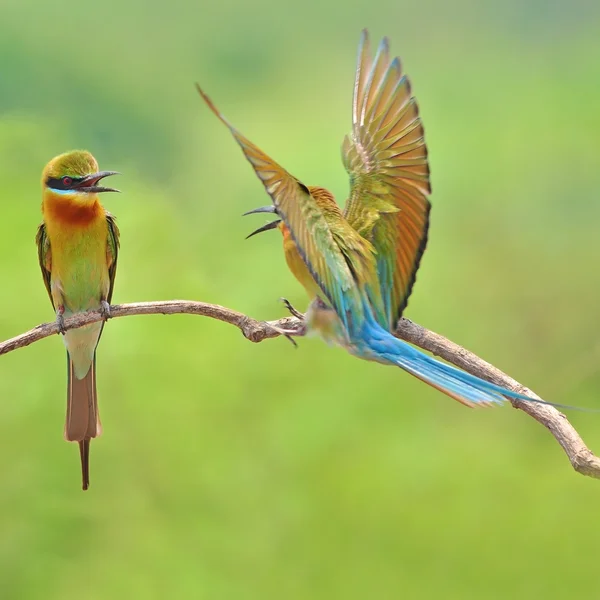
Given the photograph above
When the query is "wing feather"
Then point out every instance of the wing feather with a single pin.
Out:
(112, 252)
(339, 259)
(45, 258)
(386, 159)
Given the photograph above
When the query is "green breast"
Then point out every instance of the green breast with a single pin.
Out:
(79, 266)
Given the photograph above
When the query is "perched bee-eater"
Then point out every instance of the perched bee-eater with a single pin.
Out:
(359, 266)
(78, 244)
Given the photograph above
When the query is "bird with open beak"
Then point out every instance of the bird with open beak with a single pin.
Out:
(359, 265)
(78, 245)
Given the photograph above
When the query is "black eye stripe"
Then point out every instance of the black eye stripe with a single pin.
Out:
(58, 184)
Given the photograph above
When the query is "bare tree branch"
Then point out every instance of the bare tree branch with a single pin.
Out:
(255, 331)
(581, 457)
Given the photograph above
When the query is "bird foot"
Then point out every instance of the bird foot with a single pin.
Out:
(292, 310)
(105, 310)
(60, 320)
(286, 333)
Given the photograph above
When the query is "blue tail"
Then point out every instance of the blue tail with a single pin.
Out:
(375, 343)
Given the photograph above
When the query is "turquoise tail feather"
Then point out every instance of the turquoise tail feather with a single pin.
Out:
(377, 344)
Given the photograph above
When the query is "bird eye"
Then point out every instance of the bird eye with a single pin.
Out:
(67, 181)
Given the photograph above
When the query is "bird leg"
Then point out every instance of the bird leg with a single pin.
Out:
(292, 310)
(60, 319)
(286, 333)
(105, 309)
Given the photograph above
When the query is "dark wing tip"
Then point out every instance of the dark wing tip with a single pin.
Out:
(396, 65)
(383, 49)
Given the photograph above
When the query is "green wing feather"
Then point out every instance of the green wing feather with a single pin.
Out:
(339, 259)
(112, 252)
(45, 258)
(386, 158)
(45, 255)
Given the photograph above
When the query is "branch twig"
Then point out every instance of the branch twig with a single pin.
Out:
(581, 457)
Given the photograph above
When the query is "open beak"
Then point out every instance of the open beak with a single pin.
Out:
(263, 209)
(89, 184)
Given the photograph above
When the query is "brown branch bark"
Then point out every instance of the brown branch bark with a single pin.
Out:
(581, 457)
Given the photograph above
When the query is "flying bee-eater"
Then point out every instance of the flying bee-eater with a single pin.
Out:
(359, 265)
(78, 245)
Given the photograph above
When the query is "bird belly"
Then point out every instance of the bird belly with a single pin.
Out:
(299, 269)
(79, 282)
(323, 320)
(81, 344)
(80, 273)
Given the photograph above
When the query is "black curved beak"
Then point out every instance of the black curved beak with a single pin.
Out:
(263, 209)
(89, 183)
(272, 225)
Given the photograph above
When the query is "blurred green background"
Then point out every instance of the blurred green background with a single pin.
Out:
(234, 470)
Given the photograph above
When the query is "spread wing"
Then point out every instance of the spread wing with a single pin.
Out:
(44, 257)
(386, 158)
(112, 252)
(338, 258)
